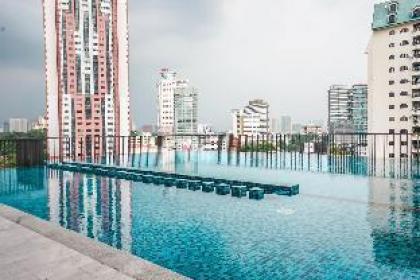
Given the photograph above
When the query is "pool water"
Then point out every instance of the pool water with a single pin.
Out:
(340, 226)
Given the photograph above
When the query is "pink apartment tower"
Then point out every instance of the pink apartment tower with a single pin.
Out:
(86, 54)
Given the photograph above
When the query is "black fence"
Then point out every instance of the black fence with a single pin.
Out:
(366, 154)
(22, 152)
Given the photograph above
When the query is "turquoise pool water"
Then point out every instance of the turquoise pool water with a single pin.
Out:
(340, 226)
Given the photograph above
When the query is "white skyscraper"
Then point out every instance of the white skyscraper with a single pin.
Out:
(166, 100)
(394, 75)
(177, 105)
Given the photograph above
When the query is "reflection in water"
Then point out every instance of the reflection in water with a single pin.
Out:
(97, 207)
(14, 180)
(395, 227)
(171, 160)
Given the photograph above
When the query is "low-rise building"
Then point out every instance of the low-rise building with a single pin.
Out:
(252, 120)
(19, 125)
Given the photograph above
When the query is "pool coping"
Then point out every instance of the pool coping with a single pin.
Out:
(121, 261)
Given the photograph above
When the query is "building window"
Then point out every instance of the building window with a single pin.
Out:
(392, 57)
(404, 43)
(391, 70)
(404, 30)
(404, 68)
(403, 81)
(392, 19)
(404, 131)
(403, 93)
(403, 106)
(391, 82)
(392, 32)
(391, 107)
(392, 131)
(391, 119)
(404, 119)
(391, 94)
(404, 55)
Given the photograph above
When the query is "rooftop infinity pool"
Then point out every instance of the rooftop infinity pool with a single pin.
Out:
(340, 226)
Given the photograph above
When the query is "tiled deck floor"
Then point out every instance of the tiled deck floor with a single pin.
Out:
(35, 249)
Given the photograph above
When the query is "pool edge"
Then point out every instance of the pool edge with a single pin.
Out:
(123, 262)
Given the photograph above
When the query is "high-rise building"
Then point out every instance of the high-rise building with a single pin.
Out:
(359, 108)
(347, 109)
(166, 100)
(394, 71)
(252, 120)
(286, 125)
(86, 52)
(186, 110)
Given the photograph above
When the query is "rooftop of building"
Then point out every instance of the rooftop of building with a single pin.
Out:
(395, 12)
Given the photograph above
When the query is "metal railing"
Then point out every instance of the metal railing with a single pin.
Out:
(22, 152)
(379, 154)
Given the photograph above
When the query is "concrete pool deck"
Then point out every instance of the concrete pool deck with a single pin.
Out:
(31, 248)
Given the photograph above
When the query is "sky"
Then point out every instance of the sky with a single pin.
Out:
(286, 52)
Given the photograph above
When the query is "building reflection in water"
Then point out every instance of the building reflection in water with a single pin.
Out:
(394, 216)
(97, 207)
(21, 180)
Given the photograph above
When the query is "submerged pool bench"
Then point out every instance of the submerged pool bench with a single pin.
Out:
(237, 188)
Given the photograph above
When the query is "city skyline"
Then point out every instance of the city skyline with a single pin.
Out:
(198, 40)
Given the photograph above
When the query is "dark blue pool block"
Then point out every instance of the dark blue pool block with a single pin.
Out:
(180, 176)
(131, 176)
(222, 189)
(220, 181)
(73, 168)
(156, 180)
(208, 187)
(239, 191)
(169, 182)
(235, 183)
(289, 190)
(268, 188)
(100, 171)
(249, 184)
(148, 179)
(54, 165)
(181, 183)
(194, 185)
(256, 193)
(138, 177)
